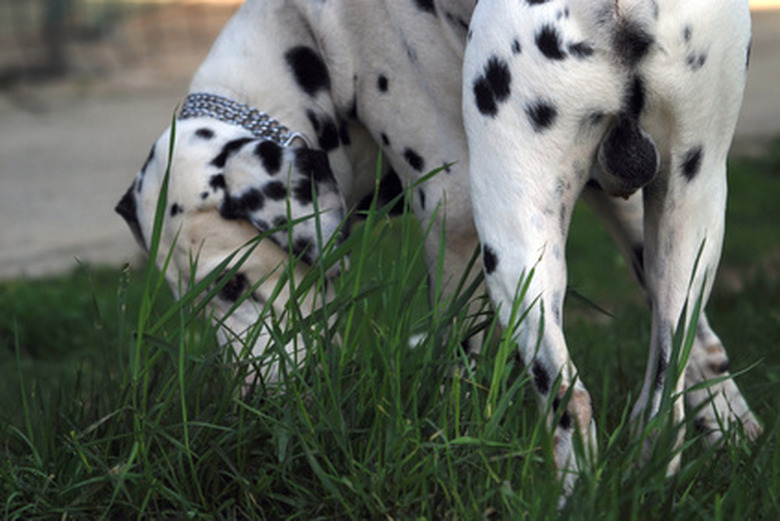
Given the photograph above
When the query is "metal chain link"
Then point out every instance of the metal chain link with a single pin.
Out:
(260, 124)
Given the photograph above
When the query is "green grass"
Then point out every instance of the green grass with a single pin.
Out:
(100, 422)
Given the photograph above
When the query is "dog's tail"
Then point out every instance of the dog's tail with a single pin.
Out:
(626, 27)
(627, 155)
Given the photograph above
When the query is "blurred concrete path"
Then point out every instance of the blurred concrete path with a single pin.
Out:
(63, 170)
(759, 121)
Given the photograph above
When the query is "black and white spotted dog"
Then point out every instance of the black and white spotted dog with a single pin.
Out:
(527, 103)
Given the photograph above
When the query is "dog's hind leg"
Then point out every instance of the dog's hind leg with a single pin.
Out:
(694, 93)
(721, 403)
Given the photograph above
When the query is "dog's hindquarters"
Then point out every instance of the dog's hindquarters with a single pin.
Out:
(549, 88)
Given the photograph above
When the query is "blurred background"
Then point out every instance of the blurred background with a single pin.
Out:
(86, 86)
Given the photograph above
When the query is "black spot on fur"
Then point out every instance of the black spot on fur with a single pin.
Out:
(536, 2)
(542, 115)
(549, 43)
(422, 199)
(382, 83)
(233, 288)
(581, 50)
(230, 148)
(516, 47)
(303, 191)
(696, 61)
(217, 182)
(489, 259)
(176, 210)
(389, 189)
(632, 42)
(328, 137)
(204, 133)
(541, 378)
(687, 33)
(279, 221)
(414, 159)
(660, 370)
(314, 165)
(270, 155)
(700, 425)
(691, 164)
(426, 5)
(565, 421)
(275, 191)
(144, 168)
(326, 129)
(301, 247)
(261, 224)
(128, 209)
(693, 60)
(309, 70)
(149, 159)
(385, 139)
(493, 87)
(486, 102)
(721, 367)
(253, 200)
(242, 206)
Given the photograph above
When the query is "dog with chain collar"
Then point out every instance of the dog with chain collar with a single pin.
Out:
(525, 105)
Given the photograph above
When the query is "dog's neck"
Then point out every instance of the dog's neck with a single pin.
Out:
(244, 56)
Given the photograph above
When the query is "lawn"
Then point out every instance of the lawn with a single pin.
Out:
(100, 421)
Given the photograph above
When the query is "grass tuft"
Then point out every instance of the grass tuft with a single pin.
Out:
(118, 402)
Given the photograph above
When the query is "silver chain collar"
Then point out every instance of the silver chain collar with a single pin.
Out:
(260, 124)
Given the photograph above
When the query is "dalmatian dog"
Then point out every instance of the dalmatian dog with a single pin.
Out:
(525, 105)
